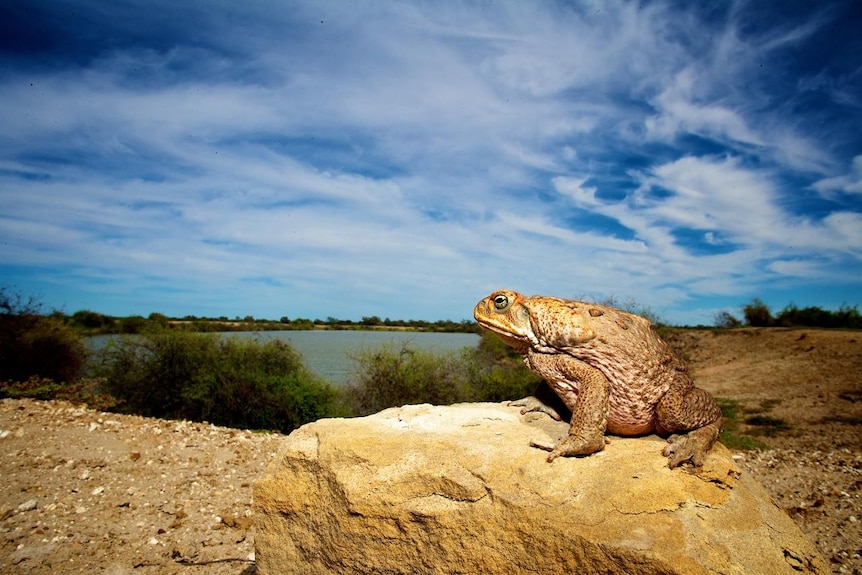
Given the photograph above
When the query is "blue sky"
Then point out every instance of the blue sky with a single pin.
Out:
(404, 159)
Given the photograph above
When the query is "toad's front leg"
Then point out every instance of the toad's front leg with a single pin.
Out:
(586, 392)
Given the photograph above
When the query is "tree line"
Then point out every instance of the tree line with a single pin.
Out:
(94, 323)
(757, 314)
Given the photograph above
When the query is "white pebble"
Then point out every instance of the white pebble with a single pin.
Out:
(28, 505)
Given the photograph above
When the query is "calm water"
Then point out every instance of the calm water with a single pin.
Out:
(328, 353)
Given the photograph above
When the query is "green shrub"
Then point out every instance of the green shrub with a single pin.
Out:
(496, 372)
(36, 345)
(389, 377)
(236, 382)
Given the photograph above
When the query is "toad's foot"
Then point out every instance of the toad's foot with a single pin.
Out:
(571, 445)
(692, 446)
(534, 404)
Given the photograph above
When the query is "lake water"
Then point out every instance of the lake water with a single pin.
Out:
(328, 352)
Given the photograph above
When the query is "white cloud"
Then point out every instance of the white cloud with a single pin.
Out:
(850, 183)
(713, 194)
(796, 268)
(681, 111)
(574, 189)
(733, 207)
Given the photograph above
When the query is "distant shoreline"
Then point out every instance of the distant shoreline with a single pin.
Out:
(255, 326)
(136, 324)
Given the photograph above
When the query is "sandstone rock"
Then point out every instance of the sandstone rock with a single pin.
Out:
(458, 489)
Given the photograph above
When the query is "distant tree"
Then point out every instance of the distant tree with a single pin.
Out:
(372, 320)
(133, 324)
(90, 319)
(848, 316)
(757, 314)
(159, 319)
(813, 316)
(726, 320)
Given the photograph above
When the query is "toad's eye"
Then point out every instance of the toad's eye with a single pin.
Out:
(501, 301)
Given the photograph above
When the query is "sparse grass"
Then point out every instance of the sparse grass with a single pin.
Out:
(846, 420)
(737, 442)
(730, 410)
(731, 437)
(767, 425)
(768, 404)
(763, 424)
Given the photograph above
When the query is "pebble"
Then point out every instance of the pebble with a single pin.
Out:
(28, 505)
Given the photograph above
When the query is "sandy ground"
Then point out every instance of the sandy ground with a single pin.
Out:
(90, 492)
(810, 381)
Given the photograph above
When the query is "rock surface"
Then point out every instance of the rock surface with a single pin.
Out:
(457, 489)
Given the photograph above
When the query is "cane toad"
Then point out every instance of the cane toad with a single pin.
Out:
(611, 370)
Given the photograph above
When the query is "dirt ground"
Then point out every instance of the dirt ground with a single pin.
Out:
(91, 492)
(808, 385)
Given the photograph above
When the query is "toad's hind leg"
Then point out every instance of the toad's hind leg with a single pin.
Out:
(686, 408)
